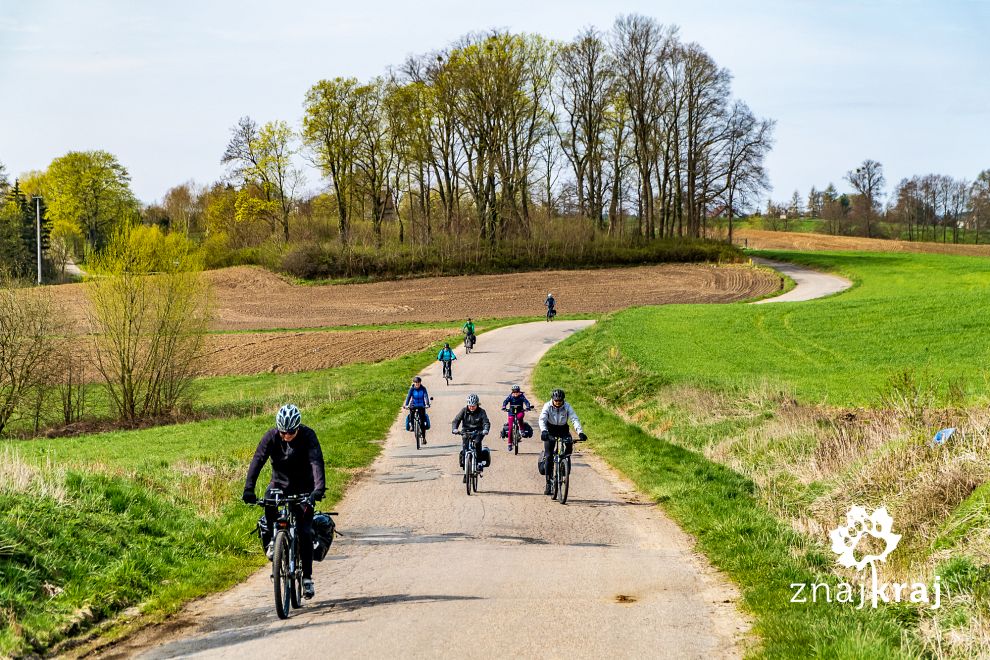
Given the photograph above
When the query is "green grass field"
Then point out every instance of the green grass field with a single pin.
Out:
(922, 313)
(727, 416)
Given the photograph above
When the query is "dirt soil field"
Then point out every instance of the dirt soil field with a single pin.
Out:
(760, 239)
(251, 298)
(284, 352)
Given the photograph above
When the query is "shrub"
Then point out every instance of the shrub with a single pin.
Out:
(307, 261)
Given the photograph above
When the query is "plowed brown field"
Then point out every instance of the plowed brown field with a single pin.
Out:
(249, 298)
(782, 240)
(285, 352)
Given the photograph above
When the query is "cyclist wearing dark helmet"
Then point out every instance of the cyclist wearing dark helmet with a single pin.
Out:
(554, 419)
(297, 469)
(472, 417)
(417, 399)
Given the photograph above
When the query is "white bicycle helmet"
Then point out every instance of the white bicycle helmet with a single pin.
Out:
(288, 418)
(473, 400)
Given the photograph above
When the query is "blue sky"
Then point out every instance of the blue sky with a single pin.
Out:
(160, 83)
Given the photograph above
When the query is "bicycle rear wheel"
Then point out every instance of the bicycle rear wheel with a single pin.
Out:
(282, 575)
(565, 479)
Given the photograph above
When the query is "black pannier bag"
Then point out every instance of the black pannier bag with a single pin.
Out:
(541, 465)
(486, 457)
(505, 430)
(323, 533)
(527, 430)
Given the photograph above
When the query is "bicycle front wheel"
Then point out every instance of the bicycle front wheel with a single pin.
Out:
(565, 479)
(419, 434)
(468, 470)
(282, 575)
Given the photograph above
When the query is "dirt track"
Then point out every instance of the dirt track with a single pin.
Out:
(759, 239)
(249, 298)
(425, 571)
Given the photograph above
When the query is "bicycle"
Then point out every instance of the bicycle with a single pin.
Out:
(448, 374)
(471, 472)
(515, 431)
(417, 425)
(560, 482)
(551, 312)
(469, 340)
(286, 563)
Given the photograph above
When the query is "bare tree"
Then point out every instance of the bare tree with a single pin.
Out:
(868, 180)
(149, 312)
(29, 325)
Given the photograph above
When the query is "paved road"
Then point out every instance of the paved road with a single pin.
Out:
(426, 571)
(810, 284)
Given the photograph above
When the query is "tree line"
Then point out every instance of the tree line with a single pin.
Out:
(929, 207)
(632, 132)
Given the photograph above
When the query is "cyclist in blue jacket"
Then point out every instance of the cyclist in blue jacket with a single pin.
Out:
(417, 399)
(446, 356)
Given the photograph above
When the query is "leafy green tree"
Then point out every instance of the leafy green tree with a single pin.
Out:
(18, 232)
(262, 159)
(330, 131)
(89, 192)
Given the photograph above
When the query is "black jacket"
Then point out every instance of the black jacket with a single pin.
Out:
(472, 421)
(297, 465)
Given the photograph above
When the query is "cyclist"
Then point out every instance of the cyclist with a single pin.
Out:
(297, 469)
(551, 304)
(468, 330)
(554, 418)
(417, 399)
(446, 355)
(516, 398)
(472, 417)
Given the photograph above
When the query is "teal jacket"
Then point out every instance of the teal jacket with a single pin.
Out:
(446, 354)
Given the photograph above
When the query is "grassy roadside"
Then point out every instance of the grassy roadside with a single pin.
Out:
(719, 507)
(94, 525)
(756, 427)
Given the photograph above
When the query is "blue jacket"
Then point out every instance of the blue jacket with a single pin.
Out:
(446, 354)
(522, 400)
(419, 397)
(549, 303)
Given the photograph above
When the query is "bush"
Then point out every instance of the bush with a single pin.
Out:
(307, 261)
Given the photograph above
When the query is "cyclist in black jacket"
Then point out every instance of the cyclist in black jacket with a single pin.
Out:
(297, 469)
(472, 417)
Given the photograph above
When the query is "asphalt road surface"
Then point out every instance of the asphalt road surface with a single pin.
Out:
(424, 570)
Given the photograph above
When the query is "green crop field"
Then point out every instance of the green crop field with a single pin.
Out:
(749, 423)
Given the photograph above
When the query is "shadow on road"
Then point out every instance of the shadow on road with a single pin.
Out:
(223, 631)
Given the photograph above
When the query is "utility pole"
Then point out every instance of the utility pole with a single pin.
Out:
(37, 207)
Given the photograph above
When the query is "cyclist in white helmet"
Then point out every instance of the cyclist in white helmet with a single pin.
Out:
(297, 469)
(551, 304)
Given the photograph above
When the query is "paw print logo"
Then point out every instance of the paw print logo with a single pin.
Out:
(858, 524)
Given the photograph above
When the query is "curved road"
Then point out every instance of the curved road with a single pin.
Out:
(809, 284)
(423, 570)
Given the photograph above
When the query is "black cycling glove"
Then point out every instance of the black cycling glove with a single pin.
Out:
(545, 436)
(249, 497)
(582, 436)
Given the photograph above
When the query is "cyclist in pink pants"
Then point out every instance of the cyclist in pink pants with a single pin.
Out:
(516, 404)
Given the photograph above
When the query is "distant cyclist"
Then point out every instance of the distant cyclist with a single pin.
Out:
(468, 330)
(518, 400)
(446, 356)
(554, 419)
(418, 399)
(297, 469)
(472, 417)
(551, 304)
